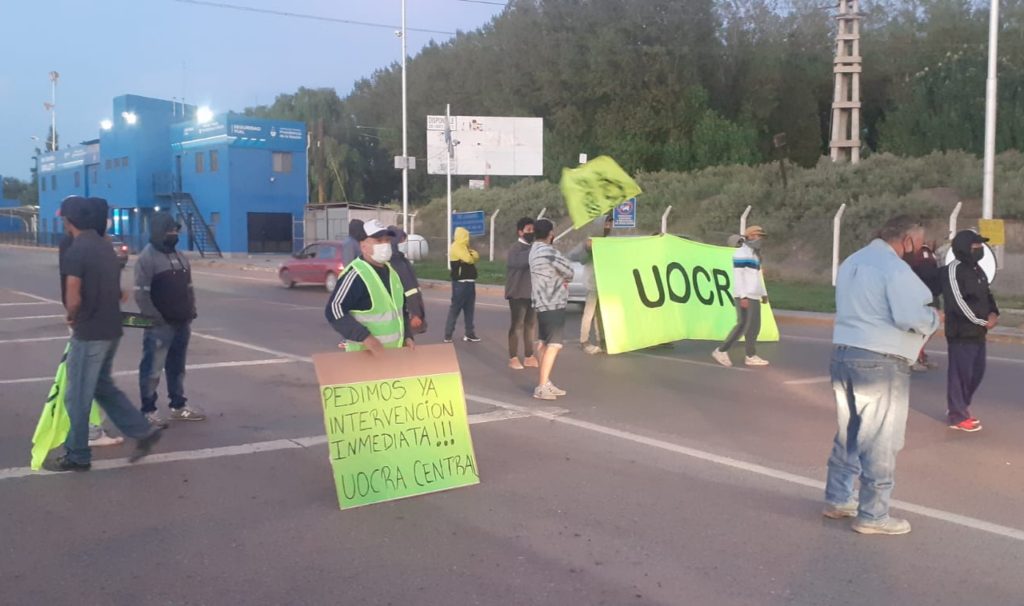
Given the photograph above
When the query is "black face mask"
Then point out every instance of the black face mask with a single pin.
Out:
(171, 241)
(528, 237)
(977, 253)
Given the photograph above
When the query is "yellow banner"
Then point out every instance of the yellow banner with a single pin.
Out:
(595, 188)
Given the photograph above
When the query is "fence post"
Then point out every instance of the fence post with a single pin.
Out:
(542, 211)
(493, 217)
(412, 222)
(837, 222)
(743, 220)
(664, 219)
(953, 216)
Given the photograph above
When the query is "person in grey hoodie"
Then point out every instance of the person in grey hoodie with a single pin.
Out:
(550, 273)
(164, 294)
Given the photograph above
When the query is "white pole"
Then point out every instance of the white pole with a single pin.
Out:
(448, 171)
(988, 190)
(743, 220)
(309, 145)
(837, 222)
(53, 111)
(664, 219)
(952, 219)
(405, 136)
(493, 217)
(542, 211)
(563, 234)
(412, 224)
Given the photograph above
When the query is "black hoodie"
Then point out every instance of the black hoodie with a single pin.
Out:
(967, 299)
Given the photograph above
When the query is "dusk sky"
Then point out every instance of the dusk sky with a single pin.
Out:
(227, 59)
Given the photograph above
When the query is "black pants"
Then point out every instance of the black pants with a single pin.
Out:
(463, 301)
(524, 322)
(748, 325)
(966, 370)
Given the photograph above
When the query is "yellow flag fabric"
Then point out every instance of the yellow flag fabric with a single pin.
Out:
(54, 424)
(595, 189)
(659, 289)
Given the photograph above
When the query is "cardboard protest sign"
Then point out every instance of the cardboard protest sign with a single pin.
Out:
(396, 423)
(659, 289)
(595, 188)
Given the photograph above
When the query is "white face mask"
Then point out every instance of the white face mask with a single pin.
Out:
(381, 253)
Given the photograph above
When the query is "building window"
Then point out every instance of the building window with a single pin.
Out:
(117, 162)
(53, 182)
(95, 174)
(124, 162)
(214, 161)
(282, 162)
(109, 163)
(78, 179)
(43, 183)
(199, 162)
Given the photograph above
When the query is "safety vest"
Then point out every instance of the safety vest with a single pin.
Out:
(384, 319)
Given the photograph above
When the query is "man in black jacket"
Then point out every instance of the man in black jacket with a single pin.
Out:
(518, 292)
(970, 312)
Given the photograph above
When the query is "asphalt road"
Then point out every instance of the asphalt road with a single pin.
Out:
(661, 478)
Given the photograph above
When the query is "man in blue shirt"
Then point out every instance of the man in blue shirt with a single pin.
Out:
(882, 320)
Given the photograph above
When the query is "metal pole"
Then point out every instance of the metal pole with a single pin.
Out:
(664, 219)
(412, 224)
(837, 222)
(405, 136)
(988, 189)
(448, 171)
(309, 145)
(743, 220)
(542, 211)
(493, 217)
(53, 110)
(952, 219)
(563, 234)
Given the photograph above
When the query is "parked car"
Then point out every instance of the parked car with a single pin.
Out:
(318, 263)
(121, 250)
(577, 289)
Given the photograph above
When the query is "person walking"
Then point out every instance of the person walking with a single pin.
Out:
(550, 273)
(164, 294)
(971, 312)
(463, 273)
(350, 245)
(883, 316)
(92, 300)
(748, 292)
(518, 293)
(413, 296)
(368, 306)
(583, 254)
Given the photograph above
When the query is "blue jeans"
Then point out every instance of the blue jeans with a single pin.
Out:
(164, 348)
(88, 378)
(872, 399)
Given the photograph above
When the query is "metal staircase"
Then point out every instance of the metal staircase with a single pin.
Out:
(192, 219)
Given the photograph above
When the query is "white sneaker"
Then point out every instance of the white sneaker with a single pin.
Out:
(591, 350)
(890, 526)
(106, 440)
(555, 390)
(756, 361)
(156, 420)
(543, 392)
(722, 358)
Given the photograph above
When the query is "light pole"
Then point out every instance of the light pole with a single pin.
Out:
(988, 187)
(54, 76)
(405, 134)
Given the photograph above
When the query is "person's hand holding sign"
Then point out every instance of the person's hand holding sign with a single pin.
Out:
(409, 343)
(373, 345)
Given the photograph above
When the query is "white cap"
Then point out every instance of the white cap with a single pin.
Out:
(375, 229)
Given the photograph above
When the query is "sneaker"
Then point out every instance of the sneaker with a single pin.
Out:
(531, 362)
(156, 420)
(555, 390)
(722, 358)
(145, 445)
(755, 361)
(590, 349)
(968, 425)
(471, 339)
(65, 464)
(543, 392)
(187, 413)
(919, 367)
(891, 526)
(106, 440)
(515, 364)
(836, 512)
(447, 340)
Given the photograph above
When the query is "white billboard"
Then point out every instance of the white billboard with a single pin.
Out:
(486, 145)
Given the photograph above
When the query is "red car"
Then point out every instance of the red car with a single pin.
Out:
(318, 263)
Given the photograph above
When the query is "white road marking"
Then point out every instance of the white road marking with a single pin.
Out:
(231, 451)
(36, 339)
(36, 297)
(232, 277)
(26, 303)
(811, 381)
(126, 373)
(36, 317)
(251, 347)
(694, 362)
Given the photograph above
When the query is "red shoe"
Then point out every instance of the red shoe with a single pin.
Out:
(969, 425)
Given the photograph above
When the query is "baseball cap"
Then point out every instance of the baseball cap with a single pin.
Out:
(375, 229)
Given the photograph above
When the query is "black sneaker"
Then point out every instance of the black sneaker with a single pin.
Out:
(471, 339)
(65, 464)
(145, 445)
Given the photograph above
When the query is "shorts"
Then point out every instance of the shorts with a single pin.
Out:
(551, 327)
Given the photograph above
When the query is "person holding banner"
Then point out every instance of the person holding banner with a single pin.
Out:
(518, 292)
(748, 291)
(550, 273)
(368, 306)
(883, 317)
(583, 254)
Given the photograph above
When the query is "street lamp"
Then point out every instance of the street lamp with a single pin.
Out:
(405, 134)
(130, 118)
(106, 124)
(204, 114)
(989, 170)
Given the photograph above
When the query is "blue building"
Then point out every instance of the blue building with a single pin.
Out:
(237, 184)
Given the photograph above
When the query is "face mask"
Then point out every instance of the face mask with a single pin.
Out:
(755, 244)
(528, 237)
(171, 241)
(381, 253)
(977, 253)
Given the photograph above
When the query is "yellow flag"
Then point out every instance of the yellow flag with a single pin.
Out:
(595, 189)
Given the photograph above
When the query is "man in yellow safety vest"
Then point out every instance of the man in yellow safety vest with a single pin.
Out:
(368, 304)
